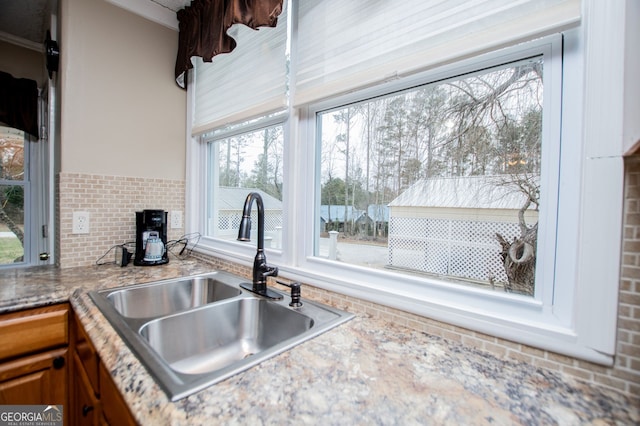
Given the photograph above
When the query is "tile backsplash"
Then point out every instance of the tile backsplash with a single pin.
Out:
(111, 202)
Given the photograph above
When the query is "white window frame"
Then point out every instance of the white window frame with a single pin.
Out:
(198, 200)
(579, 318)
(39, 191)
(216, 137)
(36, 189)
(550, 48)
(483, 310)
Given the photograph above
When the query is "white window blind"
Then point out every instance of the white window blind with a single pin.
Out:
(248, 82)
(344, 45)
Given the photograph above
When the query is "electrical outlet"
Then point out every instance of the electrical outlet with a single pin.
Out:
(80, 223)
(176, 219)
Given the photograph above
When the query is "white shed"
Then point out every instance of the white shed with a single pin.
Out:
(447, 226)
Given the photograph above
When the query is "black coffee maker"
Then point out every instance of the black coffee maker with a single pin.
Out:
(151, 238)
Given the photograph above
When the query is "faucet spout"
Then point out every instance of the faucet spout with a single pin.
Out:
(261, 270)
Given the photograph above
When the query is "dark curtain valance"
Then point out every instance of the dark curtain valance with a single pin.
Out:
(19, 103)
(203, 27)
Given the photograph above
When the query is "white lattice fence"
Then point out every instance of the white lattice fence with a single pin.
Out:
(459, 248)
(230, 220)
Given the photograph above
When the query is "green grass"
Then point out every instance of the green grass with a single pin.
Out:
(10, 249)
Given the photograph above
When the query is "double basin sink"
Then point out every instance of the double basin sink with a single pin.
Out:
(195, 331)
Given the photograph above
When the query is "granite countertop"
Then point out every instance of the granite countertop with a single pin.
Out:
(365, 371)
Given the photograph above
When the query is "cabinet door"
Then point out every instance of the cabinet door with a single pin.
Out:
(86, 409)
(39, 379)
(114, 408)
(86, 353)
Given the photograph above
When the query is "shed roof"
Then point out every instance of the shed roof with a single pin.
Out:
(337, 213)
(233, 198)
(377, 212)
(479, 192)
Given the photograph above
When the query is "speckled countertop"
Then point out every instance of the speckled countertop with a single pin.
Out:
(365, 371)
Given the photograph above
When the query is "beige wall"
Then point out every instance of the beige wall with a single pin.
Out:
(122, 129)
(21, 62)
(122, 113)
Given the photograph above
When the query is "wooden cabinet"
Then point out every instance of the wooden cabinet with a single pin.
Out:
(46, 358)
(95, 400)
(34, 356)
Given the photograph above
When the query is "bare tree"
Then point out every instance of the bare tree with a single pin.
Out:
(266, 172)
(4, 217)
(507, 103)
(343, 117)
(519, 254)
(12, 196)
(232, 152)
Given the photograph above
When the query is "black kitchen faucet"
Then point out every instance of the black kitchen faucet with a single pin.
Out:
(260, 268)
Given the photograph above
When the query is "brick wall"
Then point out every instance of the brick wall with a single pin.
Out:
(111, 202)
(627, 367)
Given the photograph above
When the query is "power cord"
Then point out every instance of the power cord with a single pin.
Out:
(186, 244)
(122, 255)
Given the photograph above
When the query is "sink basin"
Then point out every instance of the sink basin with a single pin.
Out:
(167, 297)
(193, 332)
(210, 339)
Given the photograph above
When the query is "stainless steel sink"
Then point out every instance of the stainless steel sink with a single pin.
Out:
(168, 297)
(222, 334)
(190, 343)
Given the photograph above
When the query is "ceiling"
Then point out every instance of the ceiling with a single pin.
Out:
(25, 22)
(174, 5)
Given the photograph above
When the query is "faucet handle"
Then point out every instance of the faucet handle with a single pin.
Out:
(270, 271)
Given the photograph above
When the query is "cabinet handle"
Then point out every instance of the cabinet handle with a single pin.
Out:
(58, 362)
(86, 409)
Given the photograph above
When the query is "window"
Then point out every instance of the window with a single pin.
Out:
(23, 199)
(371, 147)
(250, 161)
(14, 184)
(440, 180)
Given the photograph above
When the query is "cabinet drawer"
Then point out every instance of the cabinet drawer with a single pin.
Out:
(33, 330)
